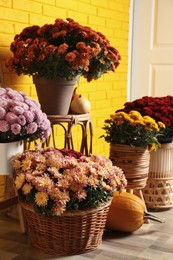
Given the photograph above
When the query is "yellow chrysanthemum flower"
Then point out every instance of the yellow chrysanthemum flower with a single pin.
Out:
(19, 181)
(152, 147)
(137, 122)
(26, 164)
(135, 115)
(161, 124)
(27, 187)
(16, 164)
(41, 198)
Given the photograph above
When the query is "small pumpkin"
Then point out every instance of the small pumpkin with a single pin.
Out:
(80, 105)
(127, 213)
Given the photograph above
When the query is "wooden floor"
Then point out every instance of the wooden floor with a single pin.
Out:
(151, 241)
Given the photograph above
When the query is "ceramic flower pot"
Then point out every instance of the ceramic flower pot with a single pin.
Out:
(54, 95)
(7, 151)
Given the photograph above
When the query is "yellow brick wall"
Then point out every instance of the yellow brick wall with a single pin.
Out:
(111, 17)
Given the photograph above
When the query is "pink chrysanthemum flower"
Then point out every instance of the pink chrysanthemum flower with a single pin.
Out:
(4, 126)
(43, 183)
(18, 110)
(11, 118)
(58, 209)
(31, 128)
(21, 120)
(2, 113)
(15, 129)
(29, 116)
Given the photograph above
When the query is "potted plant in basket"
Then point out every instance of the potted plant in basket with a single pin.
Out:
(69, 193)
(157, 192)
(131, 137)
(65, 50)
(21, 119)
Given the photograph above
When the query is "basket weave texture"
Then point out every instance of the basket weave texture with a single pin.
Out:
(73, 232)
(134, 161)
(158, 192)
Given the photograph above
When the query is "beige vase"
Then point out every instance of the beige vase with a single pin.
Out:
(54, 95)
(158, 192)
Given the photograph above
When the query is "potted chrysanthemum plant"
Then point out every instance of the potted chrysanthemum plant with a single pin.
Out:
(65, 196)
(132, 137)
(21, 121)
(61, 52)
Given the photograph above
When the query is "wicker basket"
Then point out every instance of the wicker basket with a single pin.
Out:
(134, 162)
(71, 233)
(158, 192)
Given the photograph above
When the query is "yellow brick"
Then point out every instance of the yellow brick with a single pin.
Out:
(101, 3)
(18, 27)
(120, 6)
(113, 93)
(106, 12)
(6, 3)
(13, 15)
(113, 23)
(108, 32)
(22, 79)
(50, 2)
(26, 5)
(67, 4)
(56, 12)
(5, 39)
(40, 19)
(33, 91)
(125, 26)
(118, 104)
(86, 8)
(122, 34)
(6, 27)
(79, 17)
(95, 20)
(22, 88)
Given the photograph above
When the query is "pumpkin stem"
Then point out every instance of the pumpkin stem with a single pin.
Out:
(153, 217)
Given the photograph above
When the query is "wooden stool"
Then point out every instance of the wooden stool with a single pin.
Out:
(67, 122)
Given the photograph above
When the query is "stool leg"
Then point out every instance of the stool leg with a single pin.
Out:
(22, 221)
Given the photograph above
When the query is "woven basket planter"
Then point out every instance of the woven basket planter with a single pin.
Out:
(134, 161)
(74, 232)
(158, 192)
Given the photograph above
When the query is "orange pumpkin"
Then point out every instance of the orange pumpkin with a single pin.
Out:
(126, 212)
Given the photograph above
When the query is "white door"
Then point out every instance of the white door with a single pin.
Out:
(151, 50)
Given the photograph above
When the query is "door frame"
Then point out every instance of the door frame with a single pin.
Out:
(130, 50)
